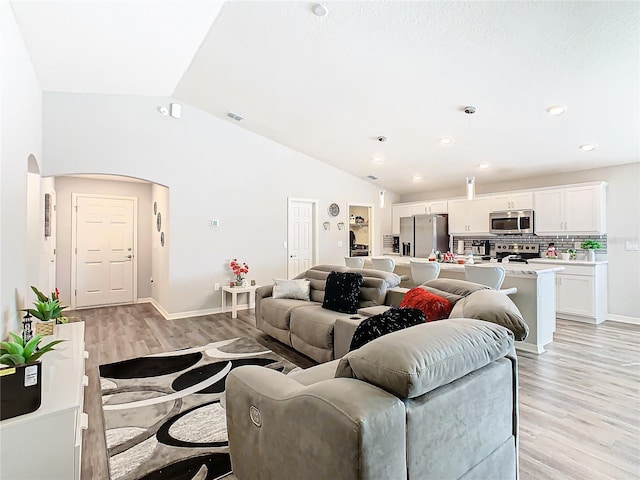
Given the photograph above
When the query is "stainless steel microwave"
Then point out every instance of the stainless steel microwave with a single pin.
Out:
(513, 222)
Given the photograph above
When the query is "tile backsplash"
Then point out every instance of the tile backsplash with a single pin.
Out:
(562, 242)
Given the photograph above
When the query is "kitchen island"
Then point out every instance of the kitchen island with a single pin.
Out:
(536, 296)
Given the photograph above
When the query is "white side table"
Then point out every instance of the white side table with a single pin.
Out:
(234, 291)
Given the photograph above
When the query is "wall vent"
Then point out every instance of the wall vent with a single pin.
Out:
(372, 177)
(237, 118)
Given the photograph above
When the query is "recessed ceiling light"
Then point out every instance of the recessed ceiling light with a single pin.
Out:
(446, 140)
(320, 10)
(588, 147)
(483, 166)
(417, 178)
(556, 110)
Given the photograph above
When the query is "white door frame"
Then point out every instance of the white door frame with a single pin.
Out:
(315, 249)
(74, 232)
(372, 239)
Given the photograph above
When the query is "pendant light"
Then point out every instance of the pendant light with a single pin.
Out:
(471, 188)
(471, 181)
(381, 196)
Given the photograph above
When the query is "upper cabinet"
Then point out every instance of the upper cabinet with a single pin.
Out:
(407, 210)
(469, 217)
(398, 211)
(512, 201)
(578, 209)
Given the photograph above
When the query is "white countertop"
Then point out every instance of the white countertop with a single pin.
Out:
(566, 262)
(512, 268)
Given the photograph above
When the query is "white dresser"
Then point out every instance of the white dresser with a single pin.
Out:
(47, 443)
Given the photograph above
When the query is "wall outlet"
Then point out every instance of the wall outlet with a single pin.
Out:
(216, 286)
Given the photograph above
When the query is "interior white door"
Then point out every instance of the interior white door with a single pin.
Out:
(50, 241)
(300, 237)
(104, 250)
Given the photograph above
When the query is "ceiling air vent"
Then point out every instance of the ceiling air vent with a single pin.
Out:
(237, 118)
(372, 177)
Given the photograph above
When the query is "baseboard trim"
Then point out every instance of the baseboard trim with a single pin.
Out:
(189, 314)
(530, 347)
(623, 319)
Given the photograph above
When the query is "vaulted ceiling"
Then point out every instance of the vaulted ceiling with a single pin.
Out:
(329, 86)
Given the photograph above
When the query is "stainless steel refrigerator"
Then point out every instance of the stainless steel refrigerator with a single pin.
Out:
(420, 234)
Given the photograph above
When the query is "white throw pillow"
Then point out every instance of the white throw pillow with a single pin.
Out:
(297, 289)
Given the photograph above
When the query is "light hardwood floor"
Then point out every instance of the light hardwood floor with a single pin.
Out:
(579, 401)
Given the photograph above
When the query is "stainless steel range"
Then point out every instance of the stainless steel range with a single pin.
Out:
(517, 252)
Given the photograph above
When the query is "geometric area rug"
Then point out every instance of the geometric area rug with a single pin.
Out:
(162, 413)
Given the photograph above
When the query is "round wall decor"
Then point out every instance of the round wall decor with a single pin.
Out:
(158, 221)
(334, 209)
(162, 239)
(155, 207)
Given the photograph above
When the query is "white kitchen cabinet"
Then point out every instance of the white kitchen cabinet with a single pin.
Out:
(469, 217)
(581, 290)
(512, 201)
(398, 211)
(576, 209)
(438, 206)
(47, 443)
(419, 209)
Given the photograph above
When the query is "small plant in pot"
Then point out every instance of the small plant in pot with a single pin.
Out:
(17, 352)
(591, 246)
(21, 379)
(47, 308)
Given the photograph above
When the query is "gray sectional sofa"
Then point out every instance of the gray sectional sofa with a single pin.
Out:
(305, 325)
(434, 401)
(324, 335)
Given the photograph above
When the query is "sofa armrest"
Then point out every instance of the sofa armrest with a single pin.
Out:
(394, 296)
(343, 333)
(261, 292)
(330, 430)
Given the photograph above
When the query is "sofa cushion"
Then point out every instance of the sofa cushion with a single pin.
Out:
(414, 361)
(434, 307)
(314, 325)
(371, 311)
(495, 307)
(277, 311)
(317, 276)
(342, 292)
(452, 289)
(296, 289)
(392, 320)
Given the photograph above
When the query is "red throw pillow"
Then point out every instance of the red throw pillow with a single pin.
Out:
(433, 306)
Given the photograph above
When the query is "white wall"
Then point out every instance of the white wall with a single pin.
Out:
(623, 223)
(20, 136)
(160, 254)
(214, 170)
(65, 186)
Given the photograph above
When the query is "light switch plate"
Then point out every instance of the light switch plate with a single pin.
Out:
(339, 243)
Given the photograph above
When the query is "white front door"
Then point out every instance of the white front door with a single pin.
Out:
(104, 250)
(301, 236)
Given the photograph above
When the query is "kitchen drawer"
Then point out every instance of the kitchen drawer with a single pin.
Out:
(577, 270)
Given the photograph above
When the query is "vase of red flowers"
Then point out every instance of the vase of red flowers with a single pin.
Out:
(239, 270)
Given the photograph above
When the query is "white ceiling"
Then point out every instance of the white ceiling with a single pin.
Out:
(328, 86)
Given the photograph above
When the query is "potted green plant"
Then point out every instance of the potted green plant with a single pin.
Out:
(21, 379)
(47, 309)
(591, 246)
(17, 352)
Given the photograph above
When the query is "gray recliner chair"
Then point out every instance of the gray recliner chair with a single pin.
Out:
(434, 401)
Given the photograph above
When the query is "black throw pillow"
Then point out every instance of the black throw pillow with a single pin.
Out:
(392, 320)
(342, 292)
